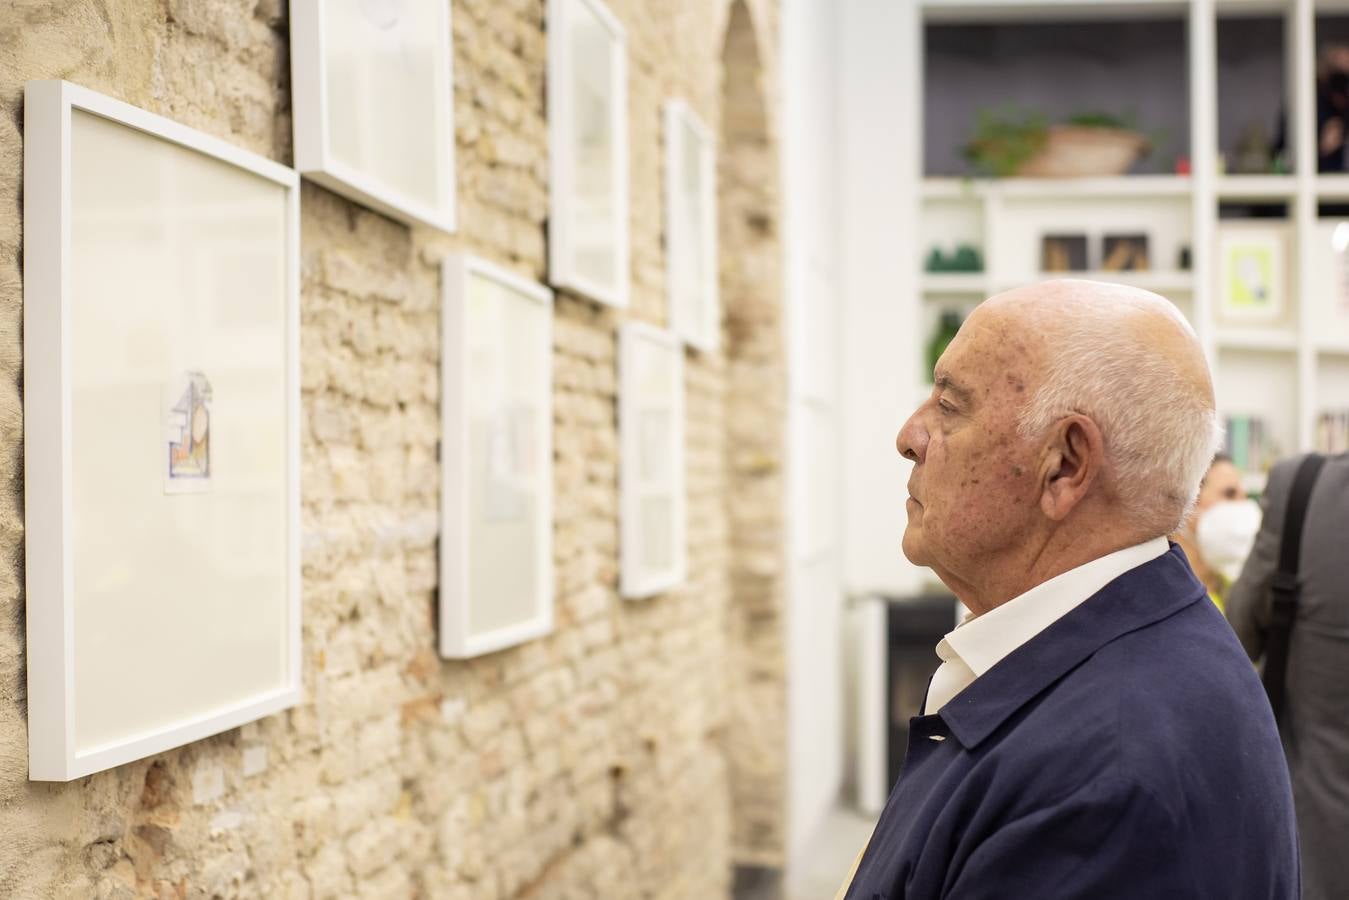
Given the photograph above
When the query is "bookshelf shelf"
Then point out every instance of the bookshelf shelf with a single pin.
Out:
(978, 189)
(1333, 347)
(1256, 187)
(955, 283)
(1332, 187)
(1258, 339)
(1161, 282)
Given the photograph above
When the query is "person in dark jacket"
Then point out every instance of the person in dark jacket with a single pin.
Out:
(1094, 730)
(1316, 721)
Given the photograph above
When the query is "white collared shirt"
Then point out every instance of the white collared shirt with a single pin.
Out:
(978, 643)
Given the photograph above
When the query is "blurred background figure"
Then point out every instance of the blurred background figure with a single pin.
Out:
(1332, 107)
(1219, 532)
(1315, 722)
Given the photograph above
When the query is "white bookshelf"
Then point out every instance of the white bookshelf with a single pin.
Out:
(1286, 372)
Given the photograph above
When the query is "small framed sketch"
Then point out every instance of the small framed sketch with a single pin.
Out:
(1251, 273)
(161, 444)
(1063, 253)
(496, 543)
(588, 151)
(691, 227)
(651, 444)
(374, 104)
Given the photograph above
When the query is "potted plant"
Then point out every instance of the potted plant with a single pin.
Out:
(1087, 144)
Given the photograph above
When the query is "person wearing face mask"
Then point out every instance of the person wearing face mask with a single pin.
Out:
(1221, 485)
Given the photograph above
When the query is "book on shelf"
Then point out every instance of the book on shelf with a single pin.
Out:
(1332, 431)
(1249, 444)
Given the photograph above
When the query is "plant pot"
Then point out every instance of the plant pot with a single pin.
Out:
(1075, 151)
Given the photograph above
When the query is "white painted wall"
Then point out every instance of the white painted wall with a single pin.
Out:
(850, 177)
(878, 53)
(815, 605)
(878, 47)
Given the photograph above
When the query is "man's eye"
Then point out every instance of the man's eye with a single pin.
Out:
(945, 406)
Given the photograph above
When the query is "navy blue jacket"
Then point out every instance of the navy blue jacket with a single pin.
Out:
(1127, 751)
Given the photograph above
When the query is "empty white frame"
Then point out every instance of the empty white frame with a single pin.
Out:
(588, 151)
(653, 554)
(374, 104)
(496, 543)
(691, 227)
(161, 444)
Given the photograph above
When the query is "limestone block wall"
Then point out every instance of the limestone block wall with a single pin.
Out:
(595, 762)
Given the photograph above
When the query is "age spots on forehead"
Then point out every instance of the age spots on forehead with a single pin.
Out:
(1016, 383)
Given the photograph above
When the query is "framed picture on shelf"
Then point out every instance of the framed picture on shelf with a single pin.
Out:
(496, 545)
(1063, 253)
(1124, 253)
(1339, 245)
(1251, 273)
(691, 227)
(588, 151)
(651, 446)
(161, 442)
(374, 104)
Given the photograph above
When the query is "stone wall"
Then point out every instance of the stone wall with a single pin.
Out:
(594, 762)
(756, 403)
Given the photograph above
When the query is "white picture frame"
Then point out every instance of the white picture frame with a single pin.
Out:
(691, 273)
(1252, 273)
(373, 96)
(652, 501)
(588, 238)
(496, 544)
(157, 613)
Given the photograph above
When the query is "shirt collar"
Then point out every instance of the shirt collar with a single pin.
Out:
(1140, 596)
(983, 641)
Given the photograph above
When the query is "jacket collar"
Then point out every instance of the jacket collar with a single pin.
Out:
(1143, 595)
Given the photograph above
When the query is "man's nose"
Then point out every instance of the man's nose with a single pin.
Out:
(911, 442)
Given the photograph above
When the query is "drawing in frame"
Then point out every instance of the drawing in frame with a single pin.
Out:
(1063, 253)
(373, 85)
(691, 227)
(161, 443)
(653, 557)
(1251, 274)
(496, 542)
(588, 151)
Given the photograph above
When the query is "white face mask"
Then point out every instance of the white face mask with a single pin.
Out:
(1225, 534)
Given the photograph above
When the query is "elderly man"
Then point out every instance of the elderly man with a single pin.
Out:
(1094, 729)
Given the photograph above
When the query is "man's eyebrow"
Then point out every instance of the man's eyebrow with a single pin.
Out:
(944, 382)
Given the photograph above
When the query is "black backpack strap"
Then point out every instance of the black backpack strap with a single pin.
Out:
(1285, 587)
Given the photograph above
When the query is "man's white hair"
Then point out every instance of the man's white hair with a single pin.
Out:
(1160, 436)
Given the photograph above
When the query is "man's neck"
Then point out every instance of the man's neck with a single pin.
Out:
(1035, 562)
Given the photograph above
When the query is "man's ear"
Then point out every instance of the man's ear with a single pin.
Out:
(1073, 462)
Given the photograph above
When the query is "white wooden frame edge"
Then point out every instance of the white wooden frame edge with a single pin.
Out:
(560, 274)
(632, 584)
(314, 161)
(47, 457)
(455, 640)
(702, 336)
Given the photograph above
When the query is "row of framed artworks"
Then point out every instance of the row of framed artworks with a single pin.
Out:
(374, 121)
(496, 450)
(162, 404)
